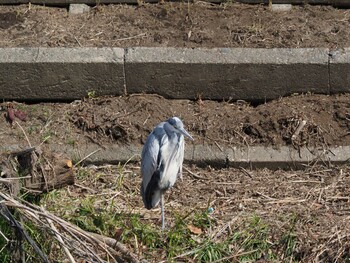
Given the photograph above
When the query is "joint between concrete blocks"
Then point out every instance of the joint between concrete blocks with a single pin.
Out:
(124, 70)
(329, 71)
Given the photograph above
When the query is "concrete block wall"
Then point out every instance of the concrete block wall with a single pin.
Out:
(60, 73)
(220, 73)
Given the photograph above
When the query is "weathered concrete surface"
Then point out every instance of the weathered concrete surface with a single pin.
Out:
(60, 73)
(222, 73)
(281, 7)
(76, 9)
(202, 155)
(219, 73)
(252, 157)
(287, 157)
(269, 157)
(339, 66)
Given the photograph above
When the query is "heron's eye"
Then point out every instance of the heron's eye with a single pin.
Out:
(175, 126)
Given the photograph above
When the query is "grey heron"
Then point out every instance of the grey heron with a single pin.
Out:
(161, 163)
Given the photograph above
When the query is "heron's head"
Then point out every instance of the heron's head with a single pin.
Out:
(178, 127)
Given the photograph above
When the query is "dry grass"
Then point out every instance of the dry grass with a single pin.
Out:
(212, 215)
(175, 24)
(293, 216)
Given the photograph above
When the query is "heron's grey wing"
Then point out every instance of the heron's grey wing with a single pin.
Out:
(181, 156)
(171, 159)
(149, 157)
(150, 167)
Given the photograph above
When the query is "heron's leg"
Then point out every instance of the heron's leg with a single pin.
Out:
(162, 208)
(179, 174)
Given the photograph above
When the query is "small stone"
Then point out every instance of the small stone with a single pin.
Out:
(75, 9)
(281, 7)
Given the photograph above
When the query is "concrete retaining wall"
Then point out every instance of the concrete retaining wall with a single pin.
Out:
(340, 71)
(247, 157)
(247, 74)
(220, 73)
(60, 73)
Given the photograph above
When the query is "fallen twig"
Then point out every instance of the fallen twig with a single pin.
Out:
(196, 176)
(128, 38)
(25, 135)
(266, 196)
(112, 247)
(217, 233)
(59, 238)
(235, 256)
(338, 197)
(306, 181)
(11, 179)
(87, 156)
(283, 201)
(7, 215)
(298, 130)
(246, 172)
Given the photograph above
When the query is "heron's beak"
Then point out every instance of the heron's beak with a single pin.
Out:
(185, 133)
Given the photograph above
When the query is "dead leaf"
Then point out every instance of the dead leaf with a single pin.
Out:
(69, 163)
(20, 115)
(10, 114)
(74, 194)
(118, 233)
(194, 230)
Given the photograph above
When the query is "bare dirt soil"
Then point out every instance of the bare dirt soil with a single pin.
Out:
(129, 120)
(175, 24)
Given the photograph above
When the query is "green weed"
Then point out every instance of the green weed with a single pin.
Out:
(211, 251)
(253, 240)
(202, 220)
(71, 142)
(178, 238)
(120, 177)
(144, 233)
(93, 216)
(7, 233)
(289, 239)
(8, 248)
(33, 129)
(91, 94)
(121, 171)
(82, 174)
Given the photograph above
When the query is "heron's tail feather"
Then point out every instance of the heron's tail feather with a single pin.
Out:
(152, 194)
